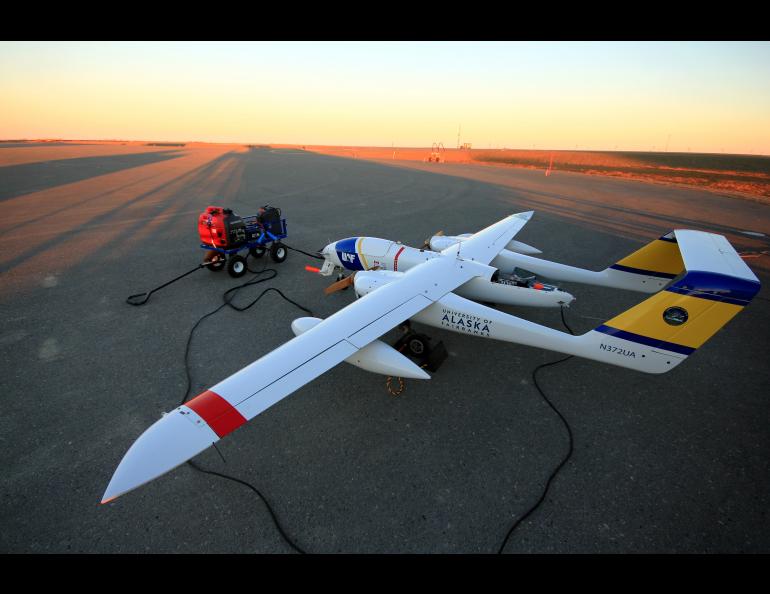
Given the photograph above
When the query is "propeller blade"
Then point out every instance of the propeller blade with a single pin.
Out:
(340, 285)
(426, 243)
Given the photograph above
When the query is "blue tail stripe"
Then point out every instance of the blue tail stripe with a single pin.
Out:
(642, 271)
(646, 340)
(717, 287)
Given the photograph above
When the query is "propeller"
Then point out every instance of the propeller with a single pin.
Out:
(426, 243)
(343, 283)
(340, 284)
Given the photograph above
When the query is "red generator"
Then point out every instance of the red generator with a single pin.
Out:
(220, 227)
(223, 233)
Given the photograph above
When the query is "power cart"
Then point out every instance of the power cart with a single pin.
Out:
(224, 234)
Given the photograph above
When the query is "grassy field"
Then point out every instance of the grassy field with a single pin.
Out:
(748, 175)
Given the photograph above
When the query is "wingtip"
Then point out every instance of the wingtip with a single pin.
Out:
(424, 376)
(111, 493)
(169, 442)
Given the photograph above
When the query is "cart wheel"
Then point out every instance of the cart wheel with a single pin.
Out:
(418, 345)
(257, 252)
(217, 263)
(236, 266)
(278, 252)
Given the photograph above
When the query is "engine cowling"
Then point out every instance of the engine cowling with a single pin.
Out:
(367, 281)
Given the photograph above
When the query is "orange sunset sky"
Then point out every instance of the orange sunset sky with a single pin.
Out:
(676, 96)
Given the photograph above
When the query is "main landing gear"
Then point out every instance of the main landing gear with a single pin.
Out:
(419, 348)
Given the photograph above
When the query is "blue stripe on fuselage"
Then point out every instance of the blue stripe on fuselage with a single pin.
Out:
(346, 252)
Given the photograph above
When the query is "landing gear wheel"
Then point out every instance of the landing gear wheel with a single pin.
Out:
(278, 252)
(418, 345)
(257, 252)
(217, 262)
(236, 266)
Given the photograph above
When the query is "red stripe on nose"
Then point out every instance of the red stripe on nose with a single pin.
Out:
(218, 413)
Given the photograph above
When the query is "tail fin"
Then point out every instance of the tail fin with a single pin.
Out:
(659, 333)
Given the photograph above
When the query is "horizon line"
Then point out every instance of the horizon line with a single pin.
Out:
(361, 146)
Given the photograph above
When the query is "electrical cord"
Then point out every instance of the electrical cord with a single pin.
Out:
(564, 460)
(285, 536)
(227, 298)
(317, 256)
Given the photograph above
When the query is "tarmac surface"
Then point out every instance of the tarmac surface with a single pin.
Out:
(672, 463)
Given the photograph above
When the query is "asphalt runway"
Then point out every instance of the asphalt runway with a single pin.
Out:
(662, 464)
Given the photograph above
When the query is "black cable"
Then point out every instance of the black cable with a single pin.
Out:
(227, 298)
(228, 301)
(142, 298)
(286, 537)
(569, 433)
(317, 256)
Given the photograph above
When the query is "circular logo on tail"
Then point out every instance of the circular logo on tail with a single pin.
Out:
(675, 316)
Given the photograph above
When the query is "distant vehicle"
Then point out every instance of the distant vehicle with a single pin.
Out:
(705, 283)
(436, 153)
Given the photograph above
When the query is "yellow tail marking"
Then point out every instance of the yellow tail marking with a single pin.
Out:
(657, 256)
(705, 317)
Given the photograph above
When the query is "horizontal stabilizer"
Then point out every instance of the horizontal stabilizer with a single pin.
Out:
(716, 286)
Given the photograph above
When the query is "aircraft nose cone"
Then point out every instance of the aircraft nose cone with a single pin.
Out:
(169, 442)
(328, 251)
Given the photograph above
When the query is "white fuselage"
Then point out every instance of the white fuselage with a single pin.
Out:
(367, 253)
(458, 314)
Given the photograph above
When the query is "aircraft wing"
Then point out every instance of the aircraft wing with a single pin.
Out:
(200, 422)
(489, 242)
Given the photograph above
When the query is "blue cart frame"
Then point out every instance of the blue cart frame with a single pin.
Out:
(236, 264)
